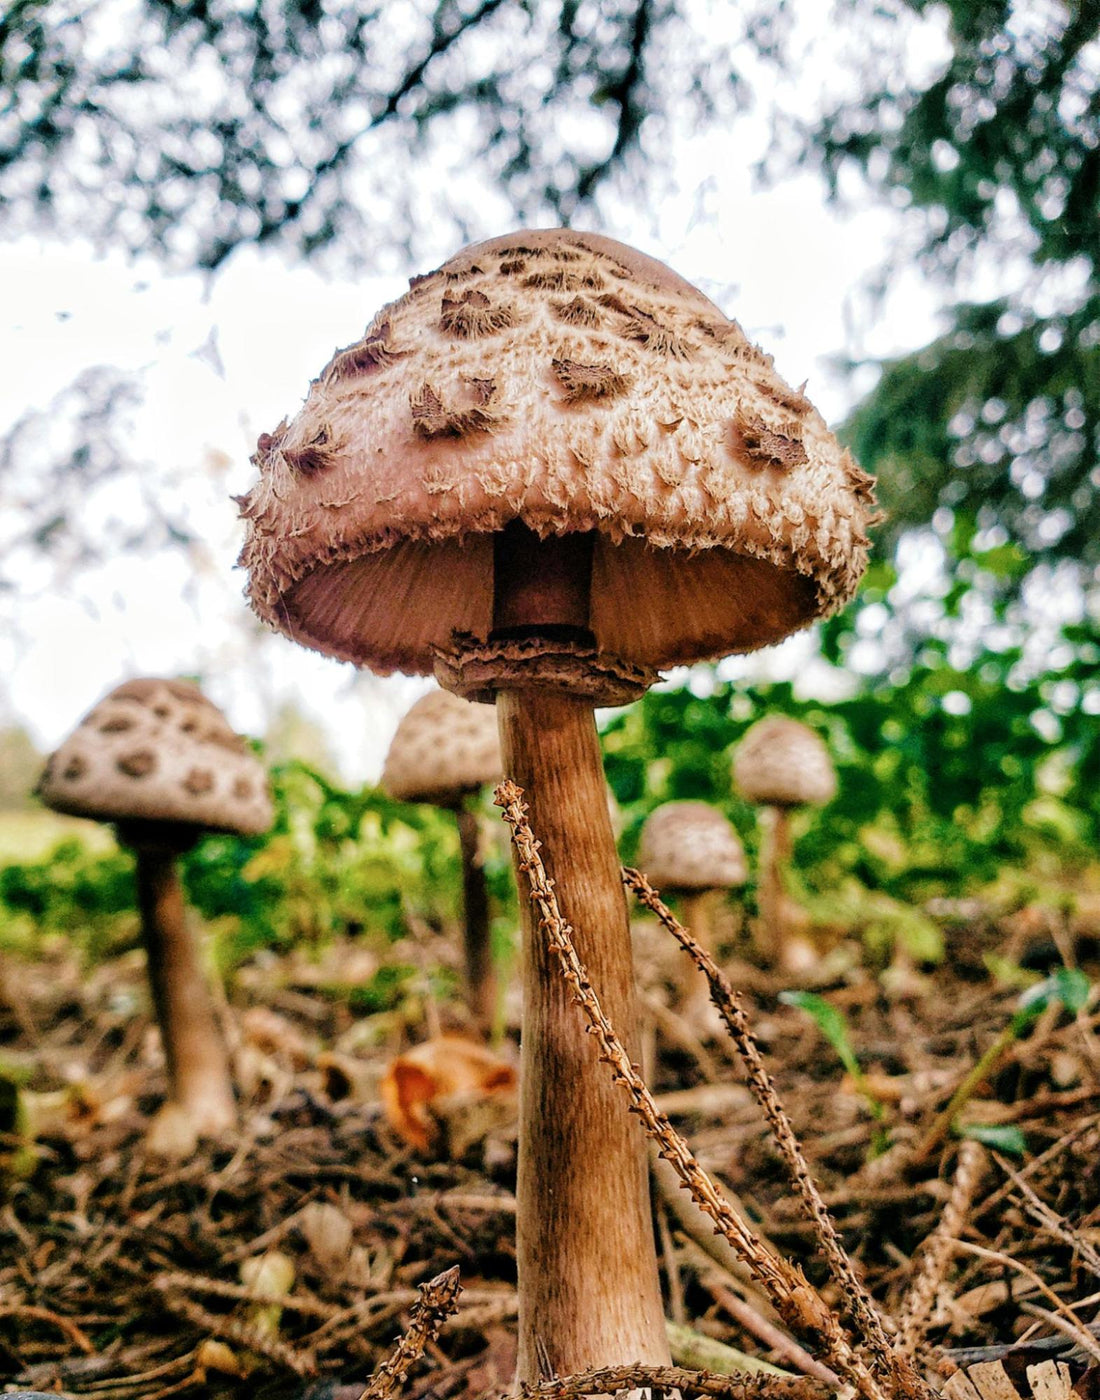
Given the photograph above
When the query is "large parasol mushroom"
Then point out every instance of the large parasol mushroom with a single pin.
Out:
(781, 764)
(549, 468)
(160, 761)
(444, 751)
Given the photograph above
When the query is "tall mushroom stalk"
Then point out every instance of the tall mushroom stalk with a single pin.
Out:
(592, 1225)
(444, 751)
(548, 469)
(160, 761)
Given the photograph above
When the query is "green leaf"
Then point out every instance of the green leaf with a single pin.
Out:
(1005, 1137)
(830, 1022)
(1068, 985)
(1073, 988)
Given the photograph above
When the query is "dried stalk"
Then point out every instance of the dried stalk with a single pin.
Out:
(437, 1299)
(613, 1379)
(916, 1306)
(788, 1289)
(864, 1314)
(231, 1329)
(1050, 1220)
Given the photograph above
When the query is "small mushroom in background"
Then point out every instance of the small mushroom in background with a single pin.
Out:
(781, 764)
(548, 469)
(691, 851)
(444, 751)
(157, 759)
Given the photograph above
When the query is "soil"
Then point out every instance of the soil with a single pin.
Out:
(121, 1274)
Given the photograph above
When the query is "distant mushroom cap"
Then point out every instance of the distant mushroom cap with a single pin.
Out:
(691, 846)
(158, 751)
(444, 748)
(782, 762)
(569, 382)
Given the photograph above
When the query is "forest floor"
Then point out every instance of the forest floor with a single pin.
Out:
(121, 1273)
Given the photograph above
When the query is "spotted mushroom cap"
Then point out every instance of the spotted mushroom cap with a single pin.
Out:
(443, 748)
(158, 750)
(691, 846)
(781, 762)
(575, 384)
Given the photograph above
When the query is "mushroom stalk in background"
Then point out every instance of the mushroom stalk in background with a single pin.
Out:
(444, 751)
(477, 942)
(781, 764)
(199, 1081)
(548, 469)
(160, 761)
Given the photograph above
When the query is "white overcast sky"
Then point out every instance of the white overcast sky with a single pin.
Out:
(785, 265)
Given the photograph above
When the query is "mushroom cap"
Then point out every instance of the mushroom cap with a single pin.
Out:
(567, 381)
(781, 762)
(443, 748)
(158, 751)
(691, 846)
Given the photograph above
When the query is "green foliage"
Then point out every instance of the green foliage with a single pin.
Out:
(945, 775)
(996, 152)
(334, 863)
(70, 891)
(1002, 1137)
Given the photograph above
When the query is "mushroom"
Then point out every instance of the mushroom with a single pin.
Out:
(691, 850)
(160, 761)
(549, 468)
(782, 764)
(445, 750)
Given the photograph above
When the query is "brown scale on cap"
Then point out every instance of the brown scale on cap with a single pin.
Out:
(562, 279)
(198, 781)
(765, 446)
(584, 383)
(431, 418)
(138, 764)
(695, 553)
(316, 455)
(373, 352)
(578, 312)
(473, 315)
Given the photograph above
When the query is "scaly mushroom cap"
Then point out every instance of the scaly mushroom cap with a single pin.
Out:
(782, 763)
(158, 750)
(572, 383)
(691, 846)
(444, 748)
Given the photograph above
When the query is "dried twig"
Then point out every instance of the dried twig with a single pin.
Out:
(916, 1306)
(1073, 1324)
(64, 1324)
(1050, 1220)
(612, 1379)
(787, 1287)
(232, 1329)
(863, 1311)
(437, 1299)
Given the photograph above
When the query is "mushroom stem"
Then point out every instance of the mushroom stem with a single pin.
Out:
(588, 1287)
(697, 907)
(775, 852)
(481, 985)
(198, 1066)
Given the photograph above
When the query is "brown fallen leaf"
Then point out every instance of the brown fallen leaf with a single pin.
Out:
(438, 1069)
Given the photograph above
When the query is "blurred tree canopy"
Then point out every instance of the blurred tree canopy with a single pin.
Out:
(193, 128)
(998, 157)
